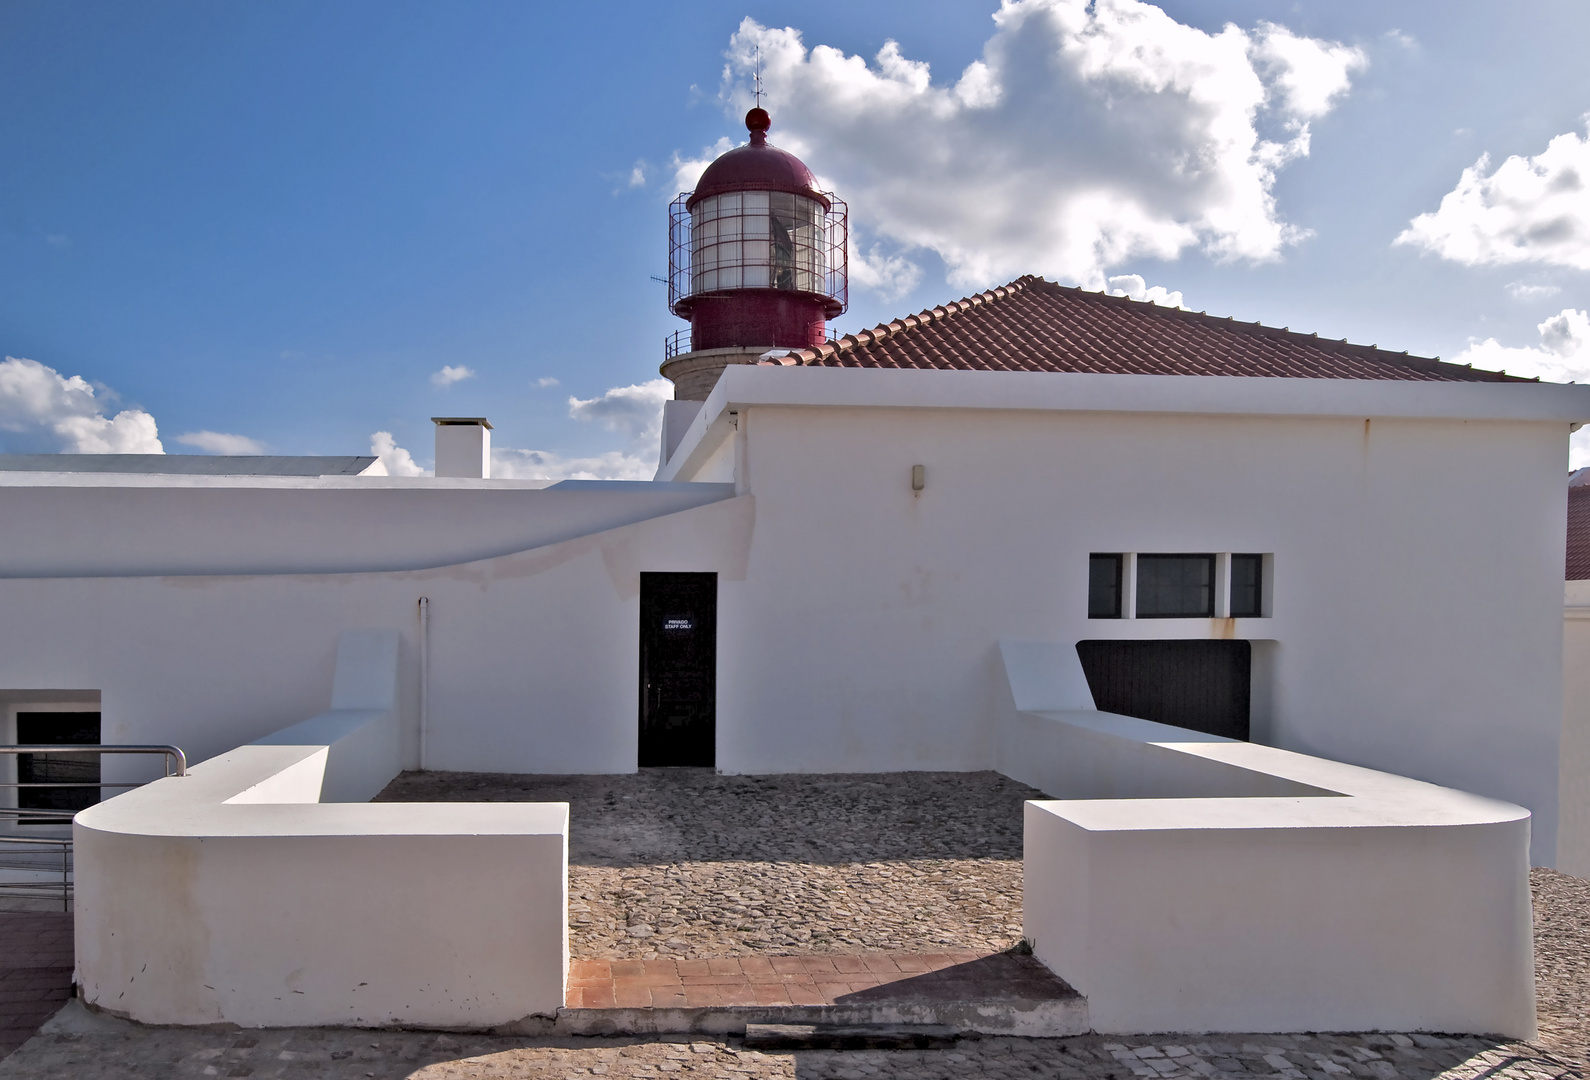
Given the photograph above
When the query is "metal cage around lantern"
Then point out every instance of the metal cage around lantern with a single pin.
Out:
(758, 240)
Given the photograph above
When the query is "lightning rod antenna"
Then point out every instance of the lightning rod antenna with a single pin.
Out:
(759, 76)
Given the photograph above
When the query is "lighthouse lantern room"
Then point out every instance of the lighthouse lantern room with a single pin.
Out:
(757, 260)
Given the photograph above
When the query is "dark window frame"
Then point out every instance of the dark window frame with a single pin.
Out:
(1116, 609)
(1210, 588)
(1255, 609)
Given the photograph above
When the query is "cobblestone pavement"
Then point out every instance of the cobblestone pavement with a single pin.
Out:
(327, 1054)
(658, 866)
(1562, 960)
(886, 846)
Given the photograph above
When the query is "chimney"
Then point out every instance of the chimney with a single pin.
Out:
(463, 446)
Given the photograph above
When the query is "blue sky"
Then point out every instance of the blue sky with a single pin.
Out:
(279, 222)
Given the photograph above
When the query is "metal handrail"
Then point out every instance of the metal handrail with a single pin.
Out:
(74, 783)
(45, 840)
(171, 752)
(38, 889)
(678, 342)
(30, 815)
(176, 764)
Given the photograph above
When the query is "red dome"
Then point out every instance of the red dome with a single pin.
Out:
(757, 167)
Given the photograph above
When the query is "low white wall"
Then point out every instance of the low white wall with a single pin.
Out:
(1573, 784)
(1185, 882)
(250, 892)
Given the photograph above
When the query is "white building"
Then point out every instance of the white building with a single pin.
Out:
(1315, 546)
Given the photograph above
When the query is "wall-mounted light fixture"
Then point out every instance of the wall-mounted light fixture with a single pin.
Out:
(918, 477)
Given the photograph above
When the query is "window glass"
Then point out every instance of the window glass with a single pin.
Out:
(1247, 585)
(1104, 586)
(1175, 586)
(788, 249)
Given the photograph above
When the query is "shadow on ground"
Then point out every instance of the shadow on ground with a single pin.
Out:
(695, 815)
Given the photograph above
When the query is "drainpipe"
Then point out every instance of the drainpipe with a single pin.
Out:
(425, 675)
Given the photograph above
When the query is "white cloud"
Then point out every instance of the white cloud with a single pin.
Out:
(450, 374)
(688, 170)
(1134, 286)
(634, 412)
(637, 175)
(1563, 355)
(398, 461)
(890, 276)
(546, 381)
(1518, 290)
(1090, 132)
(1308, 74)
(507, 464)
(1530, 209)
(42, 411)
(215, 442)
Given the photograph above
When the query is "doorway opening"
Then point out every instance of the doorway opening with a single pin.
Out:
(46, 789)
(678, 669)
(1200, 685)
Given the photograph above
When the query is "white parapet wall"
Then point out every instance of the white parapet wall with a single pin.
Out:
(1185, 882)
(263, 890)
(1573, 784)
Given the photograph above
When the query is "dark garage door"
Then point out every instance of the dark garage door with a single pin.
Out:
(1202, 685)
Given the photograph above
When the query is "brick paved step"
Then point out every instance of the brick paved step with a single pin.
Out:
(35, 973)
(962, 992)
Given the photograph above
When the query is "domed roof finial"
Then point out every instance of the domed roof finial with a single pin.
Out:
(757, 122)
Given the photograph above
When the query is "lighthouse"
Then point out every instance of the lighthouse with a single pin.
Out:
(757, 260)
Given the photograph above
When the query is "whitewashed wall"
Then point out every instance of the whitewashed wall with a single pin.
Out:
(261, 889)
(1417, 591)
(1417, 601)
(534, 657)
(1573, 848)
(1186, 882)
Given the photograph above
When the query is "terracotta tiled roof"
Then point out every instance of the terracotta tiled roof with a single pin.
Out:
(1578, 533)
(1035, 325)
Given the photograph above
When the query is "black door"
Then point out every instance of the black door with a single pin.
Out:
(678, 669)
(57, 728)
(1201, 685)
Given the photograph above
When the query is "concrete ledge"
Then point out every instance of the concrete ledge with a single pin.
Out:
(745, 386)
(1185, 882)
(241, 893)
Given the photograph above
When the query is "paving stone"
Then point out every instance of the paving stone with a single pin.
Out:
(686, 863)
(868, 854)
